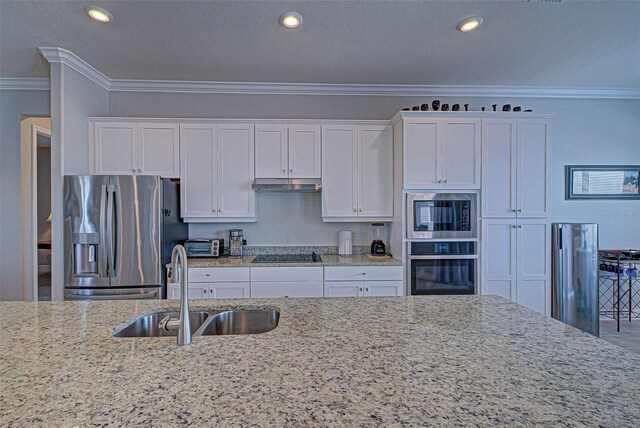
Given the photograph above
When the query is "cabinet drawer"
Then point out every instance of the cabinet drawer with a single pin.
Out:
(218, 275)
(297, 274)
(363, 273)
(287, 289)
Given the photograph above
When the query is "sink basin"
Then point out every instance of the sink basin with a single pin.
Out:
(244, 321)
(147, 326)
(206, 323)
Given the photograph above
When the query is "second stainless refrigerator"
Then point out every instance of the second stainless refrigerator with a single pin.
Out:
(118, 235)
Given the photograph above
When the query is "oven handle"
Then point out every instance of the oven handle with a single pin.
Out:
(463, 257)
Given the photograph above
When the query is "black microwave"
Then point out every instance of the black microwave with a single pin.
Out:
(442, 216)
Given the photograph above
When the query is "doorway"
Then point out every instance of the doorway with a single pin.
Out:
(36, 208)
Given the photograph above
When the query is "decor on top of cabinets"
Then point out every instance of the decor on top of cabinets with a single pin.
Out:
(602, 182)
(357, 173)
(424, 107)
(435, 105)
(134, 148)
(441, 153)
(288, 151)
(217, 172)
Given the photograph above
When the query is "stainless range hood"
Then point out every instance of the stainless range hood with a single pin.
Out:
(287, 185)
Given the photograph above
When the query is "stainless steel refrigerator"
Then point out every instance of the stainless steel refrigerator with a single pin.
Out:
(574, 286)
(118, 235)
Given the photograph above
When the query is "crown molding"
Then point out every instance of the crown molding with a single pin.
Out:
(24, 83)
(59, 55)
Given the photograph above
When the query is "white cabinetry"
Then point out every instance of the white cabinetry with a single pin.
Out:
(441, 153)
(354, 281)
(130, 148)
(515, 176)
(515, 261)
(357, 172)
(286, 282)
(217, 172)
(291, 151)
(214, 283)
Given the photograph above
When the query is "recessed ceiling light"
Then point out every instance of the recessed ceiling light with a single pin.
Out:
(290, 20)
(98, 13)
(470, 24)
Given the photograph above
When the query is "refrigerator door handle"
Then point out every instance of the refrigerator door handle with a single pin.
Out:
(110, 231)
(142, 296)
(103, 247)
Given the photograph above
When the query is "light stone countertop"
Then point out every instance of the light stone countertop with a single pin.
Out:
(327, 260)
(413, 361)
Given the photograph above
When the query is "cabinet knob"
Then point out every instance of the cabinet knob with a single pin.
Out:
(519, 210)
(204, 291)
(360, 289)
(291, 170)
(439, 181)
(514, 210)
(366, 289)
(514, 226)
(360, 209)
(446, 181)
(363, 273)
(519, 226)
(139, 170)
(354, 210)
(133, 170)
(284, 170)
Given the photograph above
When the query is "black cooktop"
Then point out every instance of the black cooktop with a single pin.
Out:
(287, 258)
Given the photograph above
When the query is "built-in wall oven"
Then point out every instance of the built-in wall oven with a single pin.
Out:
(437, 267)
(441, 216)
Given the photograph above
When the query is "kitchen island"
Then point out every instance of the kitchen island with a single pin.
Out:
(464, 360)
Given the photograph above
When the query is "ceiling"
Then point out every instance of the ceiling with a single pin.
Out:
(572, 43)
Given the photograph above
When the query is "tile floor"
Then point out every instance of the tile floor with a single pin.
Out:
(628, 337)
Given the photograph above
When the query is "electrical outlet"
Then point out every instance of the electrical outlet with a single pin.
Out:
(358, 232)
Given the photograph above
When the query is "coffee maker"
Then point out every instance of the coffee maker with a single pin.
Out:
(236, 242)
(379, 234)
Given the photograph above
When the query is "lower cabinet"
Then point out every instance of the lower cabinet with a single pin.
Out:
(362, 289)
(213, 290)
(516, 261)
(349, 281)
(287, 282)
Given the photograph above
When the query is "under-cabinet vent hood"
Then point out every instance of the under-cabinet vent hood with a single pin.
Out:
(295, 185)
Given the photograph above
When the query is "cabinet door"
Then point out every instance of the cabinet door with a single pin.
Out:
(498, 168)
(198, 154)
(304, 151)
(461, 153)
(498, 255)
(422, 154)
(375, 171)
(235, 171)
(339, 171)
(229, 290)
(198, 290)
(534, 259)
(286, 289)
(533, 183)
(343, 288)
(382, 288)
(115, 148)
(159, 149)
(271, 151)
(173, 291)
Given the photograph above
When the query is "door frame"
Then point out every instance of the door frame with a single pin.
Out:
(30, 128)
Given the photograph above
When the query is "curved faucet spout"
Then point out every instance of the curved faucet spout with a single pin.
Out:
(179, 255)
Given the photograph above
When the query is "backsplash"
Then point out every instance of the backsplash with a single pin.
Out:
(249, 250)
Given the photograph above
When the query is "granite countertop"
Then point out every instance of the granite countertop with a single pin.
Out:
(420, 360)
(327, 260)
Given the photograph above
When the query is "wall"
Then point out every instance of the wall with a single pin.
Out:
(13, 106)
(584, 131)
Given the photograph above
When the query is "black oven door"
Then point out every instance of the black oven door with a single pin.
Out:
(446, 275)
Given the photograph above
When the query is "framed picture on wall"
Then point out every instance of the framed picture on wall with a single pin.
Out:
(602, 182)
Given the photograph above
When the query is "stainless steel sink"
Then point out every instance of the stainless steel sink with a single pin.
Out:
(147, 326)
(206, 323)
(243, 321)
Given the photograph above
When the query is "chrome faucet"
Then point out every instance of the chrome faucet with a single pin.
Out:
(181, 324)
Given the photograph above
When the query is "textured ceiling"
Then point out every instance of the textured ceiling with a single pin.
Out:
(573, 43)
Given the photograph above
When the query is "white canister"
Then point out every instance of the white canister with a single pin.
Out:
(344, 240)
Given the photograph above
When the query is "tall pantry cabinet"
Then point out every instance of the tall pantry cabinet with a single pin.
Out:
(516, 235)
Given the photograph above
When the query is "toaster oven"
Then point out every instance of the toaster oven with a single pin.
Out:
(204, 247)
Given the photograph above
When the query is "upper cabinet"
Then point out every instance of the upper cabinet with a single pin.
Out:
(287, 151)
(357, 176)
(217, 172)
(129, 148)
(441, 153)
(515, 176)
